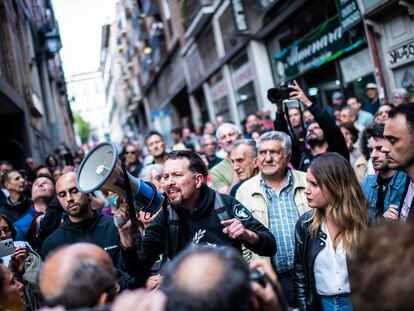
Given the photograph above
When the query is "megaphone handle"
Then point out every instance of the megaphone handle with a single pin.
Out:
(136, 235)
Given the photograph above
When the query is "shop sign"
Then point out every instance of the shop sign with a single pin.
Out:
(242, 76)
(326, 43)
(264, 5)
(239, 15)
(401, 55)
(349, 13)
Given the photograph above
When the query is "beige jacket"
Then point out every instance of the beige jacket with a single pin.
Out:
(252, 196)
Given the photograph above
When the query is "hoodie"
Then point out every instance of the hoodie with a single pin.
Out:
(99, 230)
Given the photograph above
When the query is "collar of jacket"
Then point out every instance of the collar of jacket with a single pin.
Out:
(89, 223)
(396, 180)
(257, 189)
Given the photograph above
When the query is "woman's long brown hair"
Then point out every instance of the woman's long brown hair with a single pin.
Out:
(347, 207)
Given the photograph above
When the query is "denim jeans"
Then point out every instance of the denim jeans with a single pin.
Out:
(336, 303)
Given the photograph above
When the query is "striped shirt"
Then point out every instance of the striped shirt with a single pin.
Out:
(283, 216)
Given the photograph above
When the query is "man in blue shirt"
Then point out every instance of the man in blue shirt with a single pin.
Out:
(384, 190)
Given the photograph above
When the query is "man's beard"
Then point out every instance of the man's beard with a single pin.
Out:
(315, 142)
(79, 212)
(177, 202)
(382, 167)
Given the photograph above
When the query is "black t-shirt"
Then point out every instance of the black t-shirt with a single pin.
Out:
(382, 190)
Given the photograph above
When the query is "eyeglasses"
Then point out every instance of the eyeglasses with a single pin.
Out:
(5, 230)
(129, 152)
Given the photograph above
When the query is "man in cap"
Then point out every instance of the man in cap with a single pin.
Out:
(372, 105)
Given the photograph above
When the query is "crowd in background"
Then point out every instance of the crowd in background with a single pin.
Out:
(320, 202)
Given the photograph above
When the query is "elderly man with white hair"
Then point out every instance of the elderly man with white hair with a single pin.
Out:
(222, 174)
(276, 197)
(400, 96)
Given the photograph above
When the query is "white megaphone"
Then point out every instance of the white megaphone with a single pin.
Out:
(101, 169)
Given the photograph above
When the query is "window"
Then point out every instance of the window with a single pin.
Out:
(219, 94)
(242, 75)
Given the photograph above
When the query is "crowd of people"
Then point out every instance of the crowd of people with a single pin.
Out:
(311, 210)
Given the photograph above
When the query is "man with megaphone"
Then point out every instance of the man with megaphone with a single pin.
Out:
(194, 214)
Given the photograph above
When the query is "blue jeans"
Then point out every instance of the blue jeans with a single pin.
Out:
(336, 303)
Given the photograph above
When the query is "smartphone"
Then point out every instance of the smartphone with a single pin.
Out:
(68, 159)
(291, 103)
(6, 247)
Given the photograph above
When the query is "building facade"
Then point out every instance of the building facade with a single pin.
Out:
(35, 116)
(390, 25)
(199, 59)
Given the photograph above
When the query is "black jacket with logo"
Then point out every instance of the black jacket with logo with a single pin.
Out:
(201, 226)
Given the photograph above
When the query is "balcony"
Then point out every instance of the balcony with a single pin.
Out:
(150, 7)
(52, 42)
(158, 46)
(195, 14)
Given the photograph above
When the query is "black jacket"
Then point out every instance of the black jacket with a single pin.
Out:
(301, 156)
(99, 230)
(201, 226)
(307, 247)
(16, 211)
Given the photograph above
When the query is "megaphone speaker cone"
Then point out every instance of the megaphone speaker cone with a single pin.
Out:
(101, 169)
(97, 167)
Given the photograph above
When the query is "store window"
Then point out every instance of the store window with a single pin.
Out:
(368, 4)
(404, 78)
(219, 94)
(242, 76)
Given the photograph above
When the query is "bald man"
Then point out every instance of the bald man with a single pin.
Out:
(207, 278)
(82, 224)
(80, 275)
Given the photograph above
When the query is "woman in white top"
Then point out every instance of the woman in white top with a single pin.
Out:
(327, 235)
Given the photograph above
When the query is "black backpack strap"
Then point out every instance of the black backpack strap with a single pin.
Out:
(220, 208)
(173, 224)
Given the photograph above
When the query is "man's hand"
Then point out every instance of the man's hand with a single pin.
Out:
(125, 230)
(298, 94)
(266, 295)
(391, 213)
(153, 282)
(18, 258)
(234, 229)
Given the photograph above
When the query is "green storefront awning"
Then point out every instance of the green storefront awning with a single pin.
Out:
(328, 42)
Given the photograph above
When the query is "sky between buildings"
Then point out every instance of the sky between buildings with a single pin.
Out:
(80, 23)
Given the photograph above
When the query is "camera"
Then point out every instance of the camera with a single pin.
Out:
(258, 276)
(276, 95)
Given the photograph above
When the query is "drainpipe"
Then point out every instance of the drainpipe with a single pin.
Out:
(379, 75)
